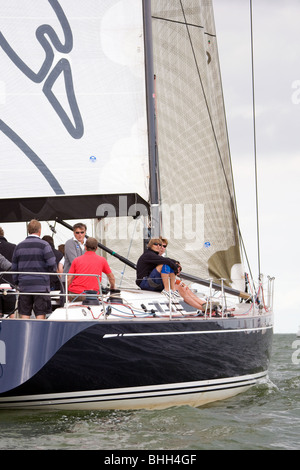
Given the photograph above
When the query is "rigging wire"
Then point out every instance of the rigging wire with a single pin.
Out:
(128, 251)
(254, 138)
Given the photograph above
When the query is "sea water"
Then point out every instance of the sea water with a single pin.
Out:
(265, 417)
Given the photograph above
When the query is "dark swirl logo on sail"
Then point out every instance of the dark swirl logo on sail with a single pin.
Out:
(49, 41)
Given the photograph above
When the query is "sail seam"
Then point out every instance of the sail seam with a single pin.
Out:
(183, 24)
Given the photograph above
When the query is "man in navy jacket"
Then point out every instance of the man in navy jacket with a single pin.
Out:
(33, 255)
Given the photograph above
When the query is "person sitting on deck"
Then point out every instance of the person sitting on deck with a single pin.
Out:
(183, 290)
(88, 263)
(155, 272)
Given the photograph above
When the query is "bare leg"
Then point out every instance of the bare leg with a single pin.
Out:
(164, 277)
(168, 279)
(189, 297)
(172, 280)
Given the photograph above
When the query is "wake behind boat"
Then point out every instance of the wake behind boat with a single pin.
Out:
(114, 112)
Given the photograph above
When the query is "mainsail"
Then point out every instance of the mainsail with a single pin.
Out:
(197, 193)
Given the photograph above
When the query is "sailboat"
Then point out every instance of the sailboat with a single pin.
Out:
(113, 111)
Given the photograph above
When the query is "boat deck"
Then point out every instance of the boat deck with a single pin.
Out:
(136, 304)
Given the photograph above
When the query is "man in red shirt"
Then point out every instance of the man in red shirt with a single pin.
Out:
(89, 263)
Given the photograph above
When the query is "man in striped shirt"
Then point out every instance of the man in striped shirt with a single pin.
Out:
(33, 255)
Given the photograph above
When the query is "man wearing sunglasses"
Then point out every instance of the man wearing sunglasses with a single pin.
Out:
(164, 244)
(75, 246)
(155, 272)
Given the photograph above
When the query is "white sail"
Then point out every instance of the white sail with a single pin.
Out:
(72, 97)
(74, 123)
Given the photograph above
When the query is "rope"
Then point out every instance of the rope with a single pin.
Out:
(128, 252)
(254, 138)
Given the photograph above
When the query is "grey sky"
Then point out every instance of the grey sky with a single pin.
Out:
(276, 36)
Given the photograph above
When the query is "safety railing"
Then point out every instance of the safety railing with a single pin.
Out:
(63, 294)
(214, 307)
(256, 298)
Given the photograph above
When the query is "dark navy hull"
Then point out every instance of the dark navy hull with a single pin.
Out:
(130, 364)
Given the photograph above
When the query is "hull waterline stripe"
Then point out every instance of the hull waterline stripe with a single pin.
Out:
(168, 333)
(83, 397)
(94, 399)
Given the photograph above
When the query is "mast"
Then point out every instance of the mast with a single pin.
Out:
(154, 230)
